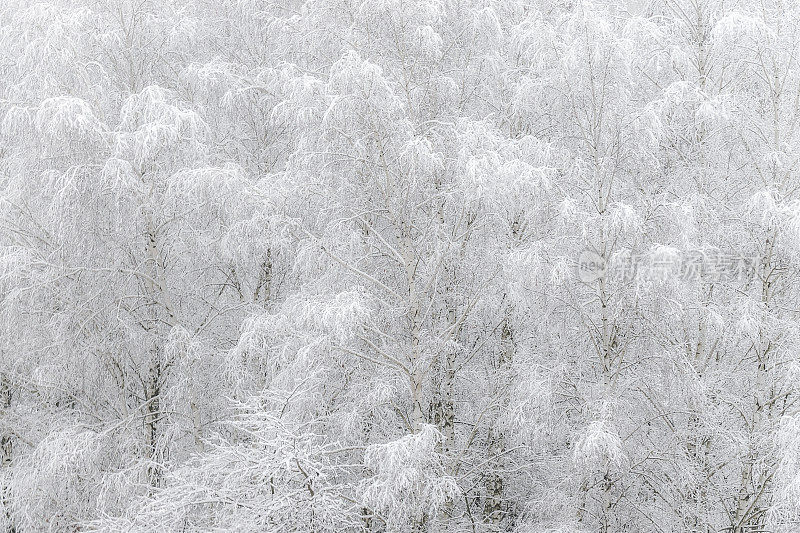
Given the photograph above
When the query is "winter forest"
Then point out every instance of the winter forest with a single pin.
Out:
(422, 266)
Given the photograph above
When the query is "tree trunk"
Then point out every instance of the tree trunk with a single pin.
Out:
(6, 455)
(151, 420)
(494, 485)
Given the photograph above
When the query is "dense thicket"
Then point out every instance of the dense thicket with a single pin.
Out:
(399, 265)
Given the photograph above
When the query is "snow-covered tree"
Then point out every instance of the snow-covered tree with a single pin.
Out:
(399, 265)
